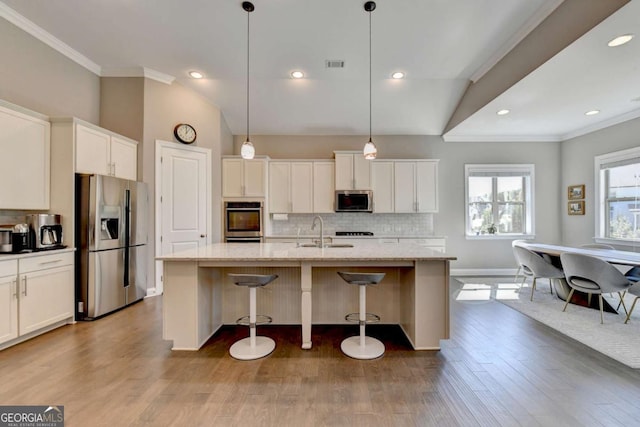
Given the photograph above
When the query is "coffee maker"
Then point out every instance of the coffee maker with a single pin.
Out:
(46, 231)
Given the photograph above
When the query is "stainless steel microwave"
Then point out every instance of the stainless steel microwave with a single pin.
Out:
(354, 201)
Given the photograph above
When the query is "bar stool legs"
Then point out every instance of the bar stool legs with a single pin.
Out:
(362, 346)
(253, 346)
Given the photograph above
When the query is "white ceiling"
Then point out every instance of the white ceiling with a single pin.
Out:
(441, 45)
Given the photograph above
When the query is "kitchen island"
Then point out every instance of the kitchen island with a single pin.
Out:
(199, 298)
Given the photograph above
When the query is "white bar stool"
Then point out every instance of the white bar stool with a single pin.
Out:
(252, 347)
(362, 346)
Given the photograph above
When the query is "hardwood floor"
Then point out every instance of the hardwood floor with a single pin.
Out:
(499, 368)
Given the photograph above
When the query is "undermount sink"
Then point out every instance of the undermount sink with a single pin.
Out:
(326, 245)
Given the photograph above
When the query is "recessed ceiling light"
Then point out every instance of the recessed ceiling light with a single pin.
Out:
(196, 74)
(592, 112)
(503, 112)
(398, 75)
(297, 74)
(620, 40)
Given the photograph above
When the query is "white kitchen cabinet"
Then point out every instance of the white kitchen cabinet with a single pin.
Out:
(36, 293)
(290, 187)
(102, 152)
(244, 178)
(415, 186)
(353, 171)
(324, 194)
(25, 144)
(8, 300)
(46, 291)
(382, 179)
(436, 243)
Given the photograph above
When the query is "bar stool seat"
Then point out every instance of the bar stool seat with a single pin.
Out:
(362, 346)
(252, 347)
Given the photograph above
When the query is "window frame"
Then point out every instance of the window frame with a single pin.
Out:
(527, 170)
(600, 194)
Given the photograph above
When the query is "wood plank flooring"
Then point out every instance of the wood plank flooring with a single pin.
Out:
(499, 369)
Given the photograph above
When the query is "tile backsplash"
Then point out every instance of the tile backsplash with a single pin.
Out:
(393, 224)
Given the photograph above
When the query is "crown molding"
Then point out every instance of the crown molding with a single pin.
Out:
(28, 26)
(138, 72)
(602, 125)
(502, 138)
(541, 14)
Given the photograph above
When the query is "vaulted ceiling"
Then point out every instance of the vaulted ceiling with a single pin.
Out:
(547, 61)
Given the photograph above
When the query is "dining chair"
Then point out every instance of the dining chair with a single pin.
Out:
(593, 276)
(536, 266)
(514, 244)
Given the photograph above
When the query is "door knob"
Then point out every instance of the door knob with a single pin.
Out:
(203, 236)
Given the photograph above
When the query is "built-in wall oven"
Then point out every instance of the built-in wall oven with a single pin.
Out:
(243, 222)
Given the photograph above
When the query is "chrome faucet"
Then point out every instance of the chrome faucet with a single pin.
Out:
(313, 226)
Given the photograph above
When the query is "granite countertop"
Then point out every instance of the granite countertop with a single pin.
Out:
(362, 251)
(8, 256)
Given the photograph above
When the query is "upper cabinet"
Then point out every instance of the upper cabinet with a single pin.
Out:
(353, 171)
(301, 186)
(244, 178)
(405, 186)
(25, 145)
(102, 152)
(415, 186)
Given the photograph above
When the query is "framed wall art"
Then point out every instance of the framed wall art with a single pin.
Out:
(576, 192)
(576, 207)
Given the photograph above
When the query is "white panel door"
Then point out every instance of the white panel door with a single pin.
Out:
(184, 203)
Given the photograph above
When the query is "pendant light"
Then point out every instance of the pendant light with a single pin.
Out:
(370, 151)
(247, 151)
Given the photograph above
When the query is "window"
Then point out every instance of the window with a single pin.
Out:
(499, 200)
(617, 188)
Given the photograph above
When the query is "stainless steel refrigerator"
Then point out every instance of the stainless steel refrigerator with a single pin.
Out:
(111, 244)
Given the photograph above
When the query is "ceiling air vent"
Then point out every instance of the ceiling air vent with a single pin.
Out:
(334, 63)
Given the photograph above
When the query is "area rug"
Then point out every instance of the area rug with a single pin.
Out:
(613, 338)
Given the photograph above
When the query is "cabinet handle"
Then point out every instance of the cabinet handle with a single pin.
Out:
(15, 288)
(50, 262)
(114, 169)
(24, 289)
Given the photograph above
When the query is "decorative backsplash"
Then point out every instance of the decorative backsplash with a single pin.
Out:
(392, 224)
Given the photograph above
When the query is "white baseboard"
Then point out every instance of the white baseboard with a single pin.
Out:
(483, 272)
(152, 292)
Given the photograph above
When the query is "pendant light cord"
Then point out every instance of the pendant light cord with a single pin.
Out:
(369, 76)
(248, 14)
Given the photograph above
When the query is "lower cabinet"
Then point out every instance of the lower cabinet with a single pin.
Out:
(37, 294)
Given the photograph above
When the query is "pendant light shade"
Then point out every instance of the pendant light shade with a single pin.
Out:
(247, 151)
(370, 151)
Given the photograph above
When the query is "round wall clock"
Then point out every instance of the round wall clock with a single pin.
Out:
(184, 133)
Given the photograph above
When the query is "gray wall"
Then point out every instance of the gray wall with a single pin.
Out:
(578, 168)
(34, 76)
(472, 254)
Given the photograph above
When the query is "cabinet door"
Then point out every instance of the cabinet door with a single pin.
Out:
(382, 186)
(8, 308)
(344, 172)
(124, 158)
(25, 154)
(324, 194)
(405, 186)
(301, 187)
(92, 151)
(279, 187)
(361, 172)
(427, 186)
(254, 178)
(232, 178)
(46, 297)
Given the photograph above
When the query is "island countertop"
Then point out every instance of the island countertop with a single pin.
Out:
(361, 251)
